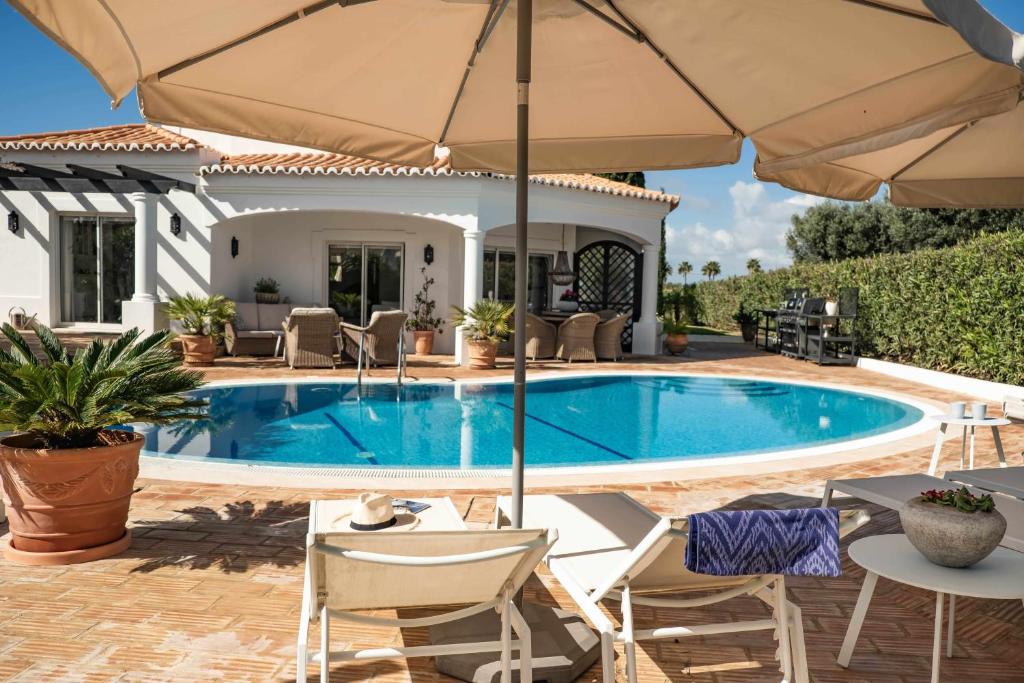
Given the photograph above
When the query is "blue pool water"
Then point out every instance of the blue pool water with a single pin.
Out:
(571, 421)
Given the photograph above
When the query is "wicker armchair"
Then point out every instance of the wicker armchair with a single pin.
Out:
(309, 337)
(576, 337)
(540, 337)
(381, 342)
(608, 337)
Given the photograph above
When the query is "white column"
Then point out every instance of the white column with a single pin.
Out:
(472, 280)
(144, 311)
(145, 247)
(647, 330)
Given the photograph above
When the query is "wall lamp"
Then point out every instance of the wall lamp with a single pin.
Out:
(13, 222)
(234, 247)
(175, 224)
(428, 254)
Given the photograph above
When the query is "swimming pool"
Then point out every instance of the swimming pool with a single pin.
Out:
(571, 421)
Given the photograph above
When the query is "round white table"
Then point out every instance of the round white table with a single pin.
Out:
(999, 576)
(967, 423)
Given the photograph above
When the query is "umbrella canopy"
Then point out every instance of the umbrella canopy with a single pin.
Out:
(617, 84)
(974, 165)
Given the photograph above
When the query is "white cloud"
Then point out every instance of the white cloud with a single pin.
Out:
(758, 230)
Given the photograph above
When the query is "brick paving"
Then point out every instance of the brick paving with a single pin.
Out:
(210, 588)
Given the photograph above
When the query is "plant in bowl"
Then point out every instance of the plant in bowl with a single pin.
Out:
(569, 301)
(485, 324)
(68, 473)
(268, 291)
(202, 321)
(746, 317)
(423, 324)
(676, 331)
(953, 527)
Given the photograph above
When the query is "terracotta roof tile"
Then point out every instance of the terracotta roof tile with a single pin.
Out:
(136, 137)
(298, 163)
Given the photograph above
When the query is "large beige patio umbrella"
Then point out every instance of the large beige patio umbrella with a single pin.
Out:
(974, 165)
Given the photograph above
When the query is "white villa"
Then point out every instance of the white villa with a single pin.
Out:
(105, 224)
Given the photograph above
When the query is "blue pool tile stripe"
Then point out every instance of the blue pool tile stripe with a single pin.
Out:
(572, 434)
(351, 438)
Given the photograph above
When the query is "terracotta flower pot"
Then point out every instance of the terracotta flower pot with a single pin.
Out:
(677, 343)
(749, 331)
(68, 505)
(424, 342)
(481, 354)
(198, 349)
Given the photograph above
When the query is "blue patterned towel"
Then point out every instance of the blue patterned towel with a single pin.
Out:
(802, 542)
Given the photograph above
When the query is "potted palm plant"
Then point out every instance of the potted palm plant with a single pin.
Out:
(267, 291)
(746, 318)
(485, 325)
(202, 320)
(68, 472)
(676, 331)
(422, 323)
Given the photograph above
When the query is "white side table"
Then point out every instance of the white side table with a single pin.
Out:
(966, 423)
(999, 576)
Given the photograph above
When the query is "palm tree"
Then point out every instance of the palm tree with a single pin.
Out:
(753, 266)
(711, 269)
(685, 268)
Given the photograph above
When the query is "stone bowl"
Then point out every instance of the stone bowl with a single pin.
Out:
(948, 537)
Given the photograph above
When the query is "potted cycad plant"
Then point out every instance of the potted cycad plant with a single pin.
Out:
(422, 323)
(677, 338)
(267, 291)
(68, 473)
(202, 320)
(746, 317)
(485, 325)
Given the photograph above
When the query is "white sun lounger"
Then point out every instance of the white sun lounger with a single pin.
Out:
(358, 571)
(613, 547)
(894, 490)
(1006, 480)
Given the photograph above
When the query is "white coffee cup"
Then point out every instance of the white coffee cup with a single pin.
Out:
(957, 409)
(978, 410)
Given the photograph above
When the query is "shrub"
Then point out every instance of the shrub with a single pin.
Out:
(957, 309)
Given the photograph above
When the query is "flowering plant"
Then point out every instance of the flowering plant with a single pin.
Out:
(963, 500)
(569, 295)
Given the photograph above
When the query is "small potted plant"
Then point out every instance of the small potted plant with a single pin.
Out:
(485, 325)
(676, 332)
(746, 318)
(68, 472)
(953, 528)
(202, 320)
(423, 324)
(569, 302)
(268, 291)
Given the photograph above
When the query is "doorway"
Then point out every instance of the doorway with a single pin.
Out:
(363, 278)
(97, 267)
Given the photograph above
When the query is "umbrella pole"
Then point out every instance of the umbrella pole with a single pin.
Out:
(524, 39)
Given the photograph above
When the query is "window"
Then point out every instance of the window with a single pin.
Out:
(363, 278)
(500, 278)
(97, 267)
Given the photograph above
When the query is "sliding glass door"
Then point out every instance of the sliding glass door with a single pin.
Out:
(500, 278)
(97, 267)
(363, 278)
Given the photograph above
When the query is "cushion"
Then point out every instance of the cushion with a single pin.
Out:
(247, 317)
(257, 334)
(272, 315)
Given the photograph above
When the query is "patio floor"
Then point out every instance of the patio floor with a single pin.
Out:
(210, 588)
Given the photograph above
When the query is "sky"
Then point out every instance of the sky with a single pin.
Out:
(723, 215)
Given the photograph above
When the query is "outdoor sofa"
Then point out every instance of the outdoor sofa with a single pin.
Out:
(256, 329)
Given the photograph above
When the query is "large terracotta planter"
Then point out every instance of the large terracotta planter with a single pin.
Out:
(198, 350)
(69, 505)
(481, 354)
(948, 537)
(424, 342)
(677, 343)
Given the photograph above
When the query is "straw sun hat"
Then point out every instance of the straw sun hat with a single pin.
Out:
(374, 512)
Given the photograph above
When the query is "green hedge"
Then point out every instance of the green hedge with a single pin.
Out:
(959, 309)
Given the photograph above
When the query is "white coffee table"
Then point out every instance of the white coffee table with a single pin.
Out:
(1000, 576)
(967, 423)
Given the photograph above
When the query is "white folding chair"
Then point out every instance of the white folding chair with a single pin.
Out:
(348, 572)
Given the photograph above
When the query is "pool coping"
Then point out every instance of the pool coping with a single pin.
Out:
(300, 476)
